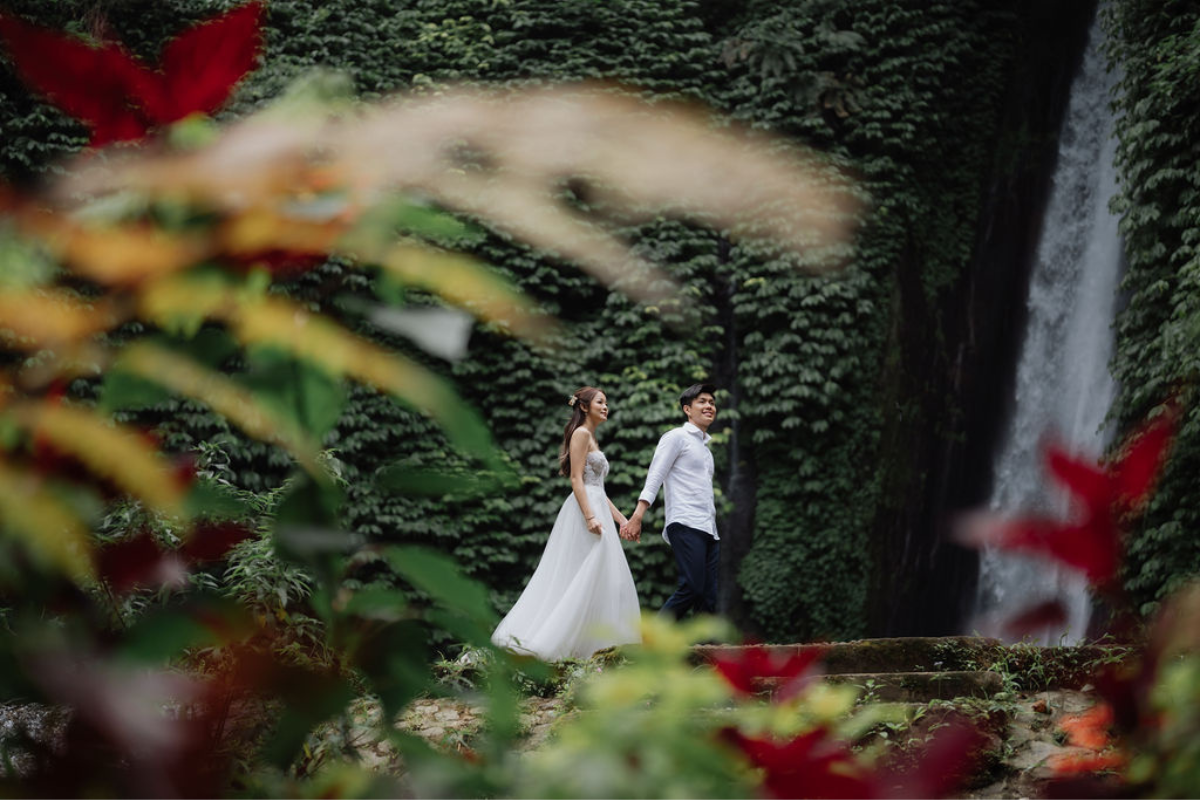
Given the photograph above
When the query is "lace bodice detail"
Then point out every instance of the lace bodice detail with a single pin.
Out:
(595, 467)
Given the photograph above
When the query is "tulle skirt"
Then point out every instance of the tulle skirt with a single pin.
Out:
(581, 597)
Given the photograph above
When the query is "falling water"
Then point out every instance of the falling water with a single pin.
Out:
(1063, 387)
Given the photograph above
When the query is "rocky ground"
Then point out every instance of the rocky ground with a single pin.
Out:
(444, 723)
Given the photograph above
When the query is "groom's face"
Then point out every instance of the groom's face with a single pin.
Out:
(702, 411)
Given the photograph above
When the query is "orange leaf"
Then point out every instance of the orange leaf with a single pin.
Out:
(1083, 763)
(260, 229)
(52, 317)
(115, 254)
(1090, 728)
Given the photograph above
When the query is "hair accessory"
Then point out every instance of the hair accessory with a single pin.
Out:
(572, 400)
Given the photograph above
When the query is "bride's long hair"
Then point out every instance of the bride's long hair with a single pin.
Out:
(579, 402)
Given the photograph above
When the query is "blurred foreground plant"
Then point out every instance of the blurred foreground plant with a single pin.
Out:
(1141, 737)
(658, 724)
(152, 269)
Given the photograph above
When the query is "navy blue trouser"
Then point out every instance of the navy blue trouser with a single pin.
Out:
(697, 554)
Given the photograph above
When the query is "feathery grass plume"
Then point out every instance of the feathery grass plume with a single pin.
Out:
(505, 158)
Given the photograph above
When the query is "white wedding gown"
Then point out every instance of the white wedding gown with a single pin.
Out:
(581, 597)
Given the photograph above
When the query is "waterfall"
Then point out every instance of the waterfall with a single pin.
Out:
(1063, 387)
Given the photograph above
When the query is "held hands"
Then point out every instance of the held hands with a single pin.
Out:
(632, 529)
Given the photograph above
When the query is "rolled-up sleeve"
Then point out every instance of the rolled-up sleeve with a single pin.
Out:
(664, 456)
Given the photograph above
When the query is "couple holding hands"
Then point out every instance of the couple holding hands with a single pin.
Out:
(581, 597)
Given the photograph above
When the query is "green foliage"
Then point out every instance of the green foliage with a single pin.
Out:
(881, 86)
(889, 88)
(1157, 45)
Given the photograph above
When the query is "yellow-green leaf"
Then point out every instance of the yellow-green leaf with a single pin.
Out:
(321, 341)
(116, 452)
(223, 395)
(53, 534)
(267, 320)
(461, 280)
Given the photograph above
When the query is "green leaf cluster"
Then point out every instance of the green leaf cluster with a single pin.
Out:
(1157, 45)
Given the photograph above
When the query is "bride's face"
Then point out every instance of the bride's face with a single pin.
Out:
(598, 409)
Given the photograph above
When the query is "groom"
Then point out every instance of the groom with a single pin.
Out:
(684, 463)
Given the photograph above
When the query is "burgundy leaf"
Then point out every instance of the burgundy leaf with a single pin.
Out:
(946, 761)
(138, 561)
(279, 262)
(183, 469)
(92, 84)
(202, 65)
(1125, 690)
(210, 541)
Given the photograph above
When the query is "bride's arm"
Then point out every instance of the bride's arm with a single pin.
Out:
(580, 440)
(617, 516)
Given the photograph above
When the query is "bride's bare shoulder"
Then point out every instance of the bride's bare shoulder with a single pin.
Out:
(582, 435)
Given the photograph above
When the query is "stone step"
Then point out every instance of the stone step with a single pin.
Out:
(1033, 667)
(907, 687)
(905, 655)
(920, 687)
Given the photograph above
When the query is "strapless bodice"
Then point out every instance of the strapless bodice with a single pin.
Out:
(595, 467)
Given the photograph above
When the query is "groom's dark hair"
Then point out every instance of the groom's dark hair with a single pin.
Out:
(695, 390)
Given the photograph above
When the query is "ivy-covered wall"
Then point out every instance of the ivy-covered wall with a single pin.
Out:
(906, 93)
(1157, 43)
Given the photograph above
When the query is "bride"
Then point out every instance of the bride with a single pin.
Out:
(581, 597)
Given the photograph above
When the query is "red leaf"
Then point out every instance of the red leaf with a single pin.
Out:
(1050, 614)
(1088, 483)
(202, 65)
(119, 98)
(92, 84)
(1093, 547)
(810, 765)
(747, 671)
(1145, 453)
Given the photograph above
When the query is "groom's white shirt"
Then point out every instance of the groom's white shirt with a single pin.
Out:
(684, 463)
